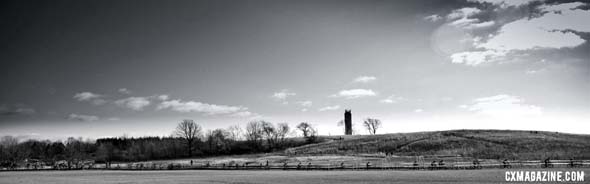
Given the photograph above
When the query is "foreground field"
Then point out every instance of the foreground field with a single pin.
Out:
(190, 176)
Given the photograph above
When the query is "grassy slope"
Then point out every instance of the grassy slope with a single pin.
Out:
(488, 144)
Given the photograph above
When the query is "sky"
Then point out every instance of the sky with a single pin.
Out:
(110, 68)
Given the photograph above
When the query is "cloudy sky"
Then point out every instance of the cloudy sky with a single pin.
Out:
(108, 68)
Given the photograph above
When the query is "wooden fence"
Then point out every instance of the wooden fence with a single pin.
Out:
(327, 166)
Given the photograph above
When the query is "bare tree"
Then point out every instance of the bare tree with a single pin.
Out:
(269, 131)
(190, 132)
(217, 140)
(255, 133)
(305, 128)
(308, 131)
(372, 125)
(281, 133)
(235, 132)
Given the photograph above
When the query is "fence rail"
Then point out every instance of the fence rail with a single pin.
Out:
(330, 166)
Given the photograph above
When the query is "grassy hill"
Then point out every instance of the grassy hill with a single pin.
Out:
(484, 144)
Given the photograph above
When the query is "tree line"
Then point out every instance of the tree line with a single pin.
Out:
(187, 140)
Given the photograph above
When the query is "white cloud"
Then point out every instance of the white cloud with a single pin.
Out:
(418, 110)
(91, 97)
(306, 103)
(561, 7)
(85, 96)
(124, 91)
(464, 22)
(354, 93)
(392, 99)
(114, 119)
(243, 114)
(505, 2)
(542, 32)
(80, 117)
(551, 30)
(329, 108)
(364, 79)
(463, 18)
(474, 58)
(304, 110)
(211, 109)
(135, 103)
(433, 18)
(502, 106)
(463, 13)
(162, 97)
(282, 95)
(248, 114)
(480, 25)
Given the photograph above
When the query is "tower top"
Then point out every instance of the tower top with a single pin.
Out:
(346, 110)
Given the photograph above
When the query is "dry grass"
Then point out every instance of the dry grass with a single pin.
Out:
(489, 144)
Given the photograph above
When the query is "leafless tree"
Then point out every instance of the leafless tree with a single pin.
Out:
(372, 125)
(190, 132)
(308, 131)
(235, 133)
(269, 131)
(282, 131)
(305, 128)
(255, 133)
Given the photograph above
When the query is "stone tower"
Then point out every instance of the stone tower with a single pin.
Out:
(347, 122)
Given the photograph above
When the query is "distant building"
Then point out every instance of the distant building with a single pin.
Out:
(347, 122)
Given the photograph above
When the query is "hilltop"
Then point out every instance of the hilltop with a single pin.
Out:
(485, 144)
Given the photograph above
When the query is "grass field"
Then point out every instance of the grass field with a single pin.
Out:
(191, 176)
(483, 144)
